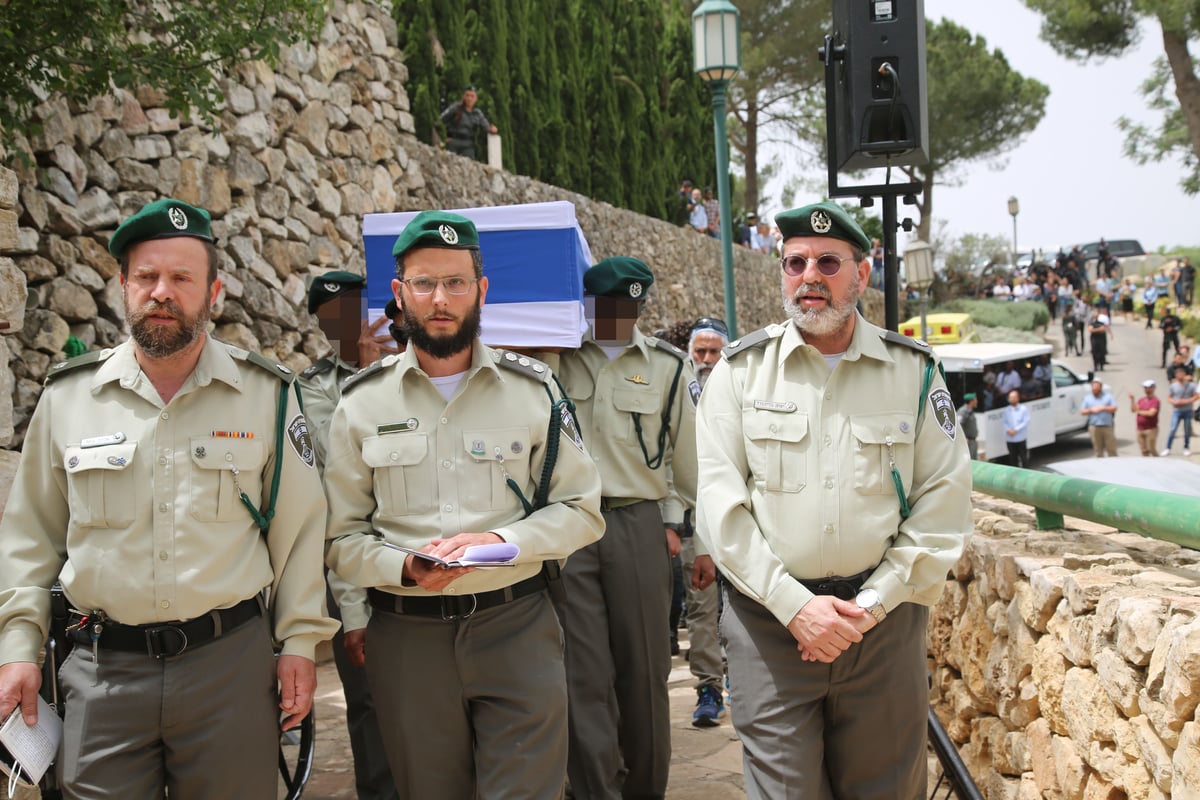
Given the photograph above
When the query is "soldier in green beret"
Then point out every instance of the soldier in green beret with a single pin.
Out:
(445, 447)
(186, 533)
(835, 496)
(636, 399)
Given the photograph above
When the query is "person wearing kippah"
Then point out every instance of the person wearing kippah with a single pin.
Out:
(338, 300)
(636, 398)
(834, 497)
(449, 446)
(169, 483)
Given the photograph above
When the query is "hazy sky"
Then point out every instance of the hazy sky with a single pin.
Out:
(1073, 183)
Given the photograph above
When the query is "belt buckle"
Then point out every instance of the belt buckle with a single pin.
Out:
(154, 640)
(448, 600)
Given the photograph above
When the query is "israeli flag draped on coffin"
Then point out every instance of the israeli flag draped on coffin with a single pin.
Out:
(534, 257)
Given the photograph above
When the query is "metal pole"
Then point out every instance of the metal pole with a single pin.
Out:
(722, 144)
(891, 271)
(1014, 240)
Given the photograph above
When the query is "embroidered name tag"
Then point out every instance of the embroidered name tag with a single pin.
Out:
(778, 406)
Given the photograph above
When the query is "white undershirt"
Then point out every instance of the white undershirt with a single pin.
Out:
(448, 384)
(832, 359)
(612, 350)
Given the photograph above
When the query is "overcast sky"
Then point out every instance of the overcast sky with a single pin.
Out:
(1069, 175)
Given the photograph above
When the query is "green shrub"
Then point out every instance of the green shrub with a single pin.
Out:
(1025, 315)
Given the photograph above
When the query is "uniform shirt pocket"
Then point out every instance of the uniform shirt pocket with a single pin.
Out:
(647, 404)
(777, 450)
(222, 469)
(102, 491)
(491, 455)
(403, 483)
(872, 455)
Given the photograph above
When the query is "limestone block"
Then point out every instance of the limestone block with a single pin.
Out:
(168, 171)
(1021, 707)
(10, 235)
(1099, 789)
(247, 171)
(1041, 756)
(943, 617)
(65, 158)
(1122, 683)
(1106, 759)
(162, 121)
(96, 257)
(971, 650)
(1070, 771)
(312, 127)
(57, 127)
(101, 173)
(7, 383)
(238, 98)
(135, 174)
(1084, 589)
(1153, 753)
(70, 301)
(63, 219)
(1021, 641)
(97, 210)
(1083, 562)
(1181, 670)
(252, 131)
(355, 200)
(86, 277)
(297, 230)
(998, 787)
(1136, 783)
(151, 147)
(1029, 789)
(114, 144)
(112, 299)
(1017, 746)
(273, 202)
(1089, 713)
(45, 331)
(13, 294)
(383, 190)
(34, 203)
(322, 251)
(1186, 762)
(9, 459)
(275, 160)
(9, 188)
(36, 270)
(1045, 593)
(239, 335)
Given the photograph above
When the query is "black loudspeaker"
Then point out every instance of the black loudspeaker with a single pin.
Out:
(882, 108)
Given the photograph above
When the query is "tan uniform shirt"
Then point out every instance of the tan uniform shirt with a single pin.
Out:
(321, 390)
(406, 466)
(608, 394)
(136, 502)
(795, 470)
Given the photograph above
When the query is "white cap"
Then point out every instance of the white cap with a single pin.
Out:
(1102, 319)
(1147, 383)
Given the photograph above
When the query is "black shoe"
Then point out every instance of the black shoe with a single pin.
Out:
(674, 647)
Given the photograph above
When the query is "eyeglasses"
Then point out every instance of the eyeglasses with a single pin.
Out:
(828, 264)
(710, 324)
(455, 285)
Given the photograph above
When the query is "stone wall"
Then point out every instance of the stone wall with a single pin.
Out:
(299, 154)
(1067, 663)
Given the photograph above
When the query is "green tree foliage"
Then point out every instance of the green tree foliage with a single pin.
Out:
(979, 107)
(1082, 29)
(596, 96)
(84, 48)
(778, 94)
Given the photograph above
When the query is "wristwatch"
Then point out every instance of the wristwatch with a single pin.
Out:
(868, 599)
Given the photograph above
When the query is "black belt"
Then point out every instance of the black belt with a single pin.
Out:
(454, 606)
(163, 640)
(842, 588)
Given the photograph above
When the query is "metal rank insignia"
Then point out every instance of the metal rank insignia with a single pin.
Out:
(410, 424)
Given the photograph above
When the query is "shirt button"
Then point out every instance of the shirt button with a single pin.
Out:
(774, 428)
(445, 421)
(393, 456)
(165, 604)
(163, 556)
(229, 456)
(446, 464)
(165, 415)
(829, 483)
(829, 395)
(450, 590)
(447, 508)
(163, 507)
(828, 441)
(829, 529)
(162, 460)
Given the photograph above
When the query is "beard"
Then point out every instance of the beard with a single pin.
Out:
(702, 373)
(824, 321)
(161, 341)
(442, 346)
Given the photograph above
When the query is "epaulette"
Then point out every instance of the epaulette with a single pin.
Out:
(86, 360)
(662, 344)
(916, 344)
(320, 368)
(369, 371)
(530, 367)
(754, 339)
(278, 370)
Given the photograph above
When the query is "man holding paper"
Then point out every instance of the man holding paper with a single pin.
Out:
(444, 448)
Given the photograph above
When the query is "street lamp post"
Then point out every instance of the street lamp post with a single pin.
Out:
(918, 271)
(716, 43)
(1014, 208)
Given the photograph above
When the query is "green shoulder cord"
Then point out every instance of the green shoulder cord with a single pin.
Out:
(654, 463)
(925, 384)
(263, 519)
(542, 494)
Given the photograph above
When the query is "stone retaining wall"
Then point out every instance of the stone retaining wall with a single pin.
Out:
(1066, 664)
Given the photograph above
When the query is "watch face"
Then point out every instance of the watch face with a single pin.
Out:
(867, 598)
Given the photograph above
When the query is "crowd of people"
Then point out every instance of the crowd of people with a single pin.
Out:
(183, 490)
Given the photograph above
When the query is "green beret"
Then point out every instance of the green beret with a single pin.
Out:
(619, 277)
(162, 219)
(968, 397)
(822, 219)
(329, 285)
(436, 229)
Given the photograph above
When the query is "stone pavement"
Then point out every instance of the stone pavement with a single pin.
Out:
(706, 763)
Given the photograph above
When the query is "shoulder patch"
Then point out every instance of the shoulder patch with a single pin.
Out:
(916, 344)
(278, 370)
(364, 374)
(748, 342)
(662, 344)
(943, 411)
(320, 368)
(91, 359)
(529, 367)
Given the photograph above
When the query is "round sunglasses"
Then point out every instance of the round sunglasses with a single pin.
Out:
(828, 264)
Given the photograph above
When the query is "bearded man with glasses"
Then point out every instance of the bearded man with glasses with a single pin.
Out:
(834, 496)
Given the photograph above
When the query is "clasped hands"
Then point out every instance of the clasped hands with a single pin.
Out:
(827, 626)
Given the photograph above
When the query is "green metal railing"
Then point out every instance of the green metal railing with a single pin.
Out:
(1159, 515)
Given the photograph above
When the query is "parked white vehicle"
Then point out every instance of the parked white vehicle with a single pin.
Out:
(1051, 390)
